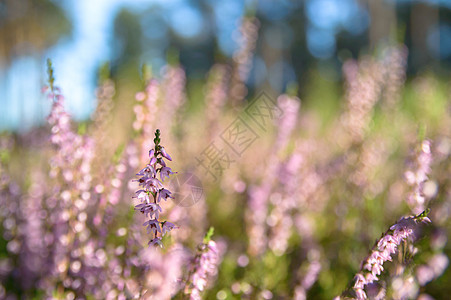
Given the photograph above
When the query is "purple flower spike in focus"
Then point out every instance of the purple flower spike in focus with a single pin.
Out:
(153, 191)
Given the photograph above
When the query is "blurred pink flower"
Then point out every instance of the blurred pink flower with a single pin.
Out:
(387, 245)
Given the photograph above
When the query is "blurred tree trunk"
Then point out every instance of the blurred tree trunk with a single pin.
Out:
(383, 22)
(423, 18)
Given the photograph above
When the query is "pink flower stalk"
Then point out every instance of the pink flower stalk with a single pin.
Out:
(383, 250)
(259, 195)
(289, 175)
(153, 192)
(110, 191)
(216, 95)
(64, 139)
(247, 40)
(364, 82)
(174, 86)
(204, 265)
(174, 97)
(417, 175)
(145, 112)
(290, 106)
(34, 249)
(308, 280)
(71, 171)
(395, 62)
(101, 118)
(247, 43)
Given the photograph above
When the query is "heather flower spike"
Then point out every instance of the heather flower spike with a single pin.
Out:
(203, 266)
(152, 192)
(383, 250)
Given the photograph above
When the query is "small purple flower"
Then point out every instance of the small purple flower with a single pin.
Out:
(152, 184)
(360, 294)
(162, 162)
(167, 226)
(155, 242)
(149, 209)
(148, 171)
(359, 281)
(164, 194)
(165, 154)
(165, 172)
(153, 226)
(370, 277)
(425, 220)
(389, 243)
(143, 196)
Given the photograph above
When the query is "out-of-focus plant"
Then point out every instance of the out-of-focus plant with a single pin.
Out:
(296, 210)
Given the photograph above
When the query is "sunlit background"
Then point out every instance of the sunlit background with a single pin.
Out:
(297, 41)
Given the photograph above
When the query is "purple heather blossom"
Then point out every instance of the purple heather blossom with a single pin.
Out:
(165, 172)
(372, 266)
(164, 194)
(257, 214)
(165, 154)
(155, 242)
(148, 171)
(216, 95)
(167, 226)
(153, 226)
(143, 196)
(363, 84)
(153, 187)
(150, 184)
(417, 175)
(248, 34)
(308, 280)
(145, 112)
(149, 209)
(394, 68)
(205, 264)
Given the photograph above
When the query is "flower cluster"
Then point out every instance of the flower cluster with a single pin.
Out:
(153, 191)
(247, 36)
(204, 264)
(364, 81)
(383, 250)
(417, 175)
